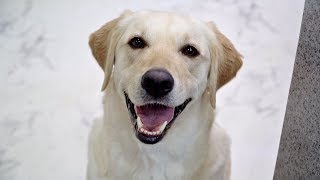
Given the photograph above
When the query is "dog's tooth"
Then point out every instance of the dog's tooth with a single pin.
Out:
(163, 126)
(139, 123)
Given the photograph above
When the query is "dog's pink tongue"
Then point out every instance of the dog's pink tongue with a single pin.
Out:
(153, 116)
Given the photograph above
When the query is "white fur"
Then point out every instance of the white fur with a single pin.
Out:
(195, 147)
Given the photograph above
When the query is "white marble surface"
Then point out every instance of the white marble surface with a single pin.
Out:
(49, 82)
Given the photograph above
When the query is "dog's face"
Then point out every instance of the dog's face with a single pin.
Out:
(160, 63)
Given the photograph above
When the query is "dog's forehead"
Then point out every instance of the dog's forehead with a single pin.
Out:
(157, 23)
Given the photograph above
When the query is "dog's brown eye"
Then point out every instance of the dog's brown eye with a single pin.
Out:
(137, 43)
(190, 51)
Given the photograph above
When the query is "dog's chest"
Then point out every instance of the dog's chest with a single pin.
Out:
(146, 168)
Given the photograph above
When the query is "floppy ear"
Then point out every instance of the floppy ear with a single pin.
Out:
(103, 43)
(228, 62)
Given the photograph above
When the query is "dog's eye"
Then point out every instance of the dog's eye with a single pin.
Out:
(137, 43)
(190, 51)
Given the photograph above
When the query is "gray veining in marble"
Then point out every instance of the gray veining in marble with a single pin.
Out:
(299, 151)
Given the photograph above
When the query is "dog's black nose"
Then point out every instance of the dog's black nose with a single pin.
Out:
(157, 82)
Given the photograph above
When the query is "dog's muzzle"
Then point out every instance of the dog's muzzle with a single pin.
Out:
(151, 121)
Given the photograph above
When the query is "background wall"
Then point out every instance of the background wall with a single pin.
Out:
(299, 151)
(49, 82)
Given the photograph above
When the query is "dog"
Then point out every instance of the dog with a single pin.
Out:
(161, 74)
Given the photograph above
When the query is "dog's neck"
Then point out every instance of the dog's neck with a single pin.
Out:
(185, 141)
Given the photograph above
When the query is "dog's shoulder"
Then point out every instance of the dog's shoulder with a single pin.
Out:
(220, 139)
(96, 164)
(218, 164)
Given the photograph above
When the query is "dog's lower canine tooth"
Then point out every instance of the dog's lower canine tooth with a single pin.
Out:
(163, 126)
(139, 123)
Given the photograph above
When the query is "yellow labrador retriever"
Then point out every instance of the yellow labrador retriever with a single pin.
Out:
(161, 74)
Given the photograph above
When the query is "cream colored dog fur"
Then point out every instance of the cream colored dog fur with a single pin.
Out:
(200, 59)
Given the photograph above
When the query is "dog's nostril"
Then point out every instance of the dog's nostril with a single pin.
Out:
(148, 83)
(166, 85)
(157, 82)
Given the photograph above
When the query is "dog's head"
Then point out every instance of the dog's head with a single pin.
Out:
(159, 63)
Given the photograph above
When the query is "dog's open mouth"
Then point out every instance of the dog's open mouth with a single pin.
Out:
(151, 121)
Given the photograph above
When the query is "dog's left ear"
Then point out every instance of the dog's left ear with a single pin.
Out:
(225, 63)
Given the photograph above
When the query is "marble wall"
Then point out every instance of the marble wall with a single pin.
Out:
(49, 82)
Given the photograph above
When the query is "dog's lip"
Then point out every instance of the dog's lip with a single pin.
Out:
(152, 137)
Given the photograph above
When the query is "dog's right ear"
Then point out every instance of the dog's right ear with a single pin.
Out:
(103, 43)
